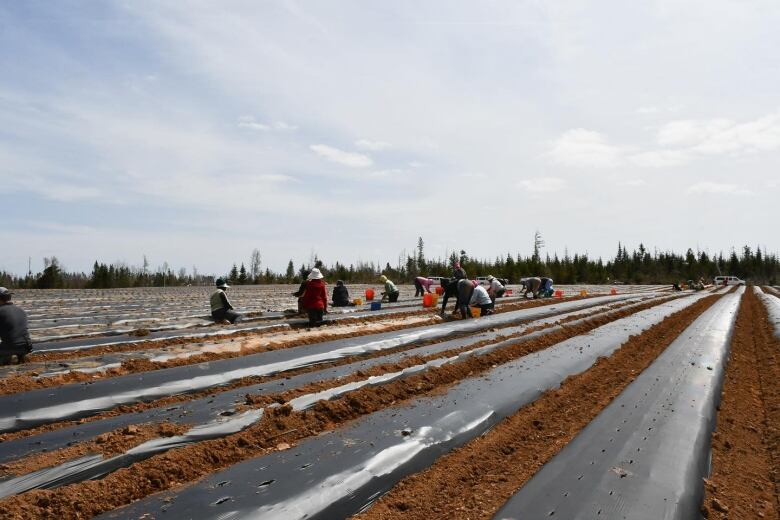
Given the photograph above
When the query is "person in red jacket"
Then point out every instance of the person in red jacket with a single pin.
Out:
(315, 298)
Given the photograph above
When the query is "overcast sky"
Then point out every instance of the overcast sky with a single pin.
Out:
(193, 132)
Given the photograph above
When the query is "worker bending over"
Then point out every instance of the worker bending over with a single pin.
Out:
(221, 308)
(391, 291)
(14, 335)
(481, 299)
(531, 285)
(422, 284)
(496, 289)
(465, 290)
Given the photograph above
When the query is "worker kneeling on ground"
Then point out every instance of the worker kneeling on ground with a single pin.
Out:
(315, 298)
(531, 285)
(496, 289)
(341, 295)
(546, 289)
(14, 335)
(422, 284)
(221, 308)
(391, 292)
(481, 299)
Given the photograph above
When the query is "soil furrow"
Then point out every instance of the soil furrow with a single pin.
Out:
(745, 446)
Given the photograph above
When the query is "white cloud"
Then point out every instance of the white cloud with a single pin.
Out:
(542, 184)
(375, 146)
(659, 158)
(353, 160)
(718, 188)
(585, 148)
(632, 183)
(249, 122)
(723, 136)
(252, 123)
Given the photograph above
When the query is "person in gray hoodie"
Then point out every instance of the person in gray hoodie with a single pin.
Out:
(14, 334)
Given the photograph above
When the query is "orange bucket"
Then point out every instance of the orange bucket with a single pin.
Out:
(475, 312)
(583, 292)
(613, 291)
(428, 300)
(358, 301)
(369, 294)
(439, 290)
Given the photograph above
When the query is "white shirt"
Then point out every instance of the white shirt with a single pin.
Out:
(480, 296)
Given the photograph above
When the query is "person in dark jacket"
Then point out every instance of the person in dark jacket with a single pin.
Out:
(221, 308)
(299, 294)
(14, 334)
(450, 286)
(465, 290)
(341, 296)
(315, 298)
(458, 272)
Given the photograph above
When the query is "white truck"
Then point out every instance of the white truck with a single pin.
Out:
(720, 281)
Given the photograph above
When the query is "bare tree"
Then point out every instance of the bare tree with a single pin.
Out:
(254, 265)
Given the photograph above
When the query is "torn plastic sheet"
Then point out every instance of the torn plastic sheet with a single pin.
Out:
(205, 409)
(95, 466)
(645, 455)
(36, 407)
(341, 473)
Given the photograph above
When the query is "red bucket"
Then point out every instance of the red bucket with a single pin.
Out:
(369, 294)
(427, 300)
(440, 290)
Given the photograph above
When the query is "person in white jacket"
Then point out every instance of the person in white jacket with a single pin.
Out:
(496, 289)
(481, 299)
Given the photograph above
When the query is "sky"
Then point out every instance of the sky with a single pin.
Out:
(193, 132)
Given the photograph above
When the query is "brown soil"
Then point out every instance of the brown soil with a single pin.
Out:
(476, 480)
(279, 429)
(746, 445)
(249, 381)
(31, 381)
(108, 444)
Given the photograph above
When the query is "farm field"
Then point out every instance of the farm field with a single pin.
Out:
(635, 403)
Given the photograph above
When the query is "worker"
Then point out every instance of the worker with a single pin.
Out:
(341, 295)
(221, 308)
(422, 284)
(450, 286)
(480, 298)
(465, 290)
(495, 288)
(14, 335)
(315, 298)
(458, 272)
(391, 293)
(531, 285)
(547, 287)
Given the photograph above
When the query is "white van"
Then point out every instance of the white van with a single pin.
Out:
(727, 280)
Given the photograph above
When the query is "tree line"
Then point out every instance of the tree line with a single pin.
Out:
(639, 266)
